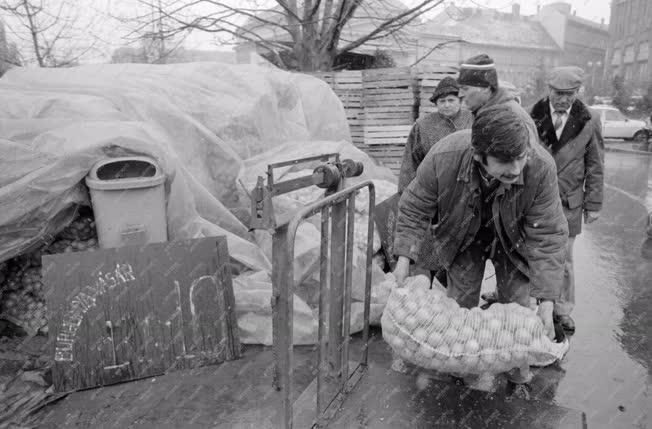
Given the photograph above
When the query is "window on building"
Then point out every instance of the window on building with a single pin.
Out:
(643, 51)
(620, 17)
(643, 70)
(629, 54)
(631, 18)
(629, 72)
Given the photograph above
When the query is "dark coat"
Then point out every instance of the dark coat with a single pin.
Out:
(527, 215)
(427, 131)
(579, 156)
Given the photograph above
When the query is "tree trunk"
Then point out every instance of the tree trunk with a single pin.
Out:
(34, 33)
(312, 57)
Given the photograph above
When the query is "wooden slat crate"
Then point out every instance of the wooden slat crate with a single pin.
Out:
(389, 107)
(381, 105)
(390, 155)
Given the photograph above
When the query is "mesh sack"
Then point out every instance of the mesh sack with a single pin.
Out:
(21, 288)
(425, 327)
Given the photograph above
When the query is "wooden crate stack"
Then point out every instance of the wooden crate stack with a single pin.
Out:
(389, 112)
(381, 105)
(347, 85)
(427, 77)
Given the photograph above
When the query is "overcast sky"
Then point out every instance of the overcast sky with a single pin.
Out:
(95, 19)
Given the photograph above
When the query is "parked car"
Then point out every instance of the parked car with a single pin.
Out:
(601, 99)
(615, 125)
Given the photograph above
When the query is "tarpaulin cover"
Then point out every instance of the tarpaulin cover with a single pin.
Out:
(213, 128)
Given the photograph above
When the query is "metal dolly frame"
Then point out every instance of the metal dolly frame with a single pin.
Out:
(333, 355)
(338, 207)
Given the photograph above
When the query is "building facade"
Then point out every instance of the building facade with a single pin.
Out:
(583, 42)
(520, 45)
(630, 44)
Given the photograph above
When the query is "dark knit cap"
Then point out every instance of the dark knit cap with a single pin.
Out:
(500, 132)
(478, 71)
(446, 86)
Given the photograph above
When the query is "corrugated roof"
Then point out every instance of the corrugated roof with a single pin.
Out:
(487, 27)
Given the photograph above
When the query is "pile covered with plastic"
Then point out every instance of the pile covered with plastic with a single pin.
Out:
(212, 128)
(425, 327)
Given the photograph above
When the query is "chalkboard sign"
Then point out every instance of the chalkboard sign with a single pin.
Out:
(131, 312)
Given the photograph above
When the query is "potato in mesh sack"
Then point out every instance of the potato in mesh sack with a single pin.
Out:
(425, 327)
(21, 289)
(23, 302)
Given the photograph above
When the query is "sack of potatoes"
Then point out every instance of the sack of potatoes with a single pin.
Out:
(425, 327)
(22, 298)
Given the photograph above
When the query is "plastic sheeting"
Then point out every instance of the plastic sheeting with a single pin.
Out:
(213, 128)
(200, 121)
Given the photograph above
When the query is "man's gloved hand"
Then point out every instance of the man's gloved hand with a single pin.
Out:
(545, 314)
(401, 270)
(590, 216)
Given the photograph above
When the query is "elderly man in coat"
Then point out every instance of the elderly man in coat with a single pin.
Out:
(573, 135)
(492, 195)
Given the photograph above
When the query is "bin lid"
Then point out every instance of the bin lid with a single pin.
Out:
(129, 172)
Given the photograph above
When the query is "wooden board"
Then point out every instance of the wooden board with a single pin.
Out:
(132, 312)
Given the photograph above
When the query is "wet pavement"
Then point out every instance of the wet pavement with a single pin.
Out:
(607, 373)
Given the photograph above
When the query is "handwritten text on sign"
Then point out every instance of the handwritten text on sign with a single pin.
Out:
(81, 303)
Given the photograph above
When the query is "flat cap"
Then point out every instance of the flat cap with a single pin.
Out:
(566, 78)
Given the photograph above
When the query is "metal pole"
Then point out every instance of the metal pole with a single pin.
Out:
(350, 224)
(367, 285)
(338, 254)
(282, 304)
(323, 284)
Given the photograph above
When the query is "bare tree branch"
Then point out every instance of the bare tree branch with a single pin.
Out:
(311, 31)
(52, 32)
(409, 15)
(434, 48)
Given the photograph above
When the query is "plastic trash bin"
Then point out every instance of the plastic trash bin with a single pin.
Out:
(128, 197)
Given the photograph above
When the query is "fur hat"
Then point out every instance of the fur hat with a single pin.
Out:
(446, 86)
